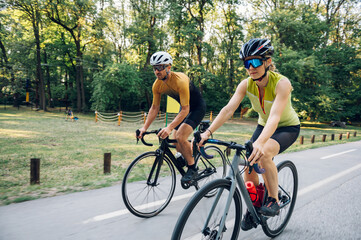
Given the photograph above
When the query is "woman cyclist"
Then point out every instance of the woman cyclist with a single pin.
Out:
(278, 124)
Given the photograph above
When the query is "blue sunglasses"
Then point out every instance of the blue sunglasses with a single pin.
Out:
(256, 62)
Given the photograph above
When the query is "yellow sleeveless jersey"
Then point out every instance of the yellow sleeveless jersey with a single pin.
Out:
(263, 107)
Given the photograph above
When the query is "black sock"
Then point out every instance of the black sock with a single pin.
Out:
(192, 166)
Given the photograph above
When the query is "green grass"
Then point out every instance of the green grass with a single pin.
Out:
(72, 153)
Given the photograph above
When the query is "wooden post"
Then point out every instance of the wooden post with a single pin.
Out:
(211, 116)
(324, 138)
(35, 171)
(96, 116)
(119, 119)
(107, 162)
(340, 137)
(301, 140)
(144, 117)
(228, 151)
(354, 134)
(313, 139)
(332, 137)
(348, 135)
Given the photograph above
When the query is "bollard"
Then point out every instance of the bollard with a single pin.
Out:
(332, 137)
(107, 163)
(340, 137)
(96, 116)
(348, 135)
(324, 138)
(211, 116)
(313, 139)
(301, 140)
(35, 171)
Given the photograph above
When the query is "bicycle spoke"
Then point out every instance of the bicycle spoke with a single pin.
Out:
(196, 220)
(142, 196)
(211, 169)
(288, 182)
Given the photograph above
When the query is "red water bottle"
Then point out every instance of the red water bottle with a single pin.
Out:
(252, 191)
(260, 193)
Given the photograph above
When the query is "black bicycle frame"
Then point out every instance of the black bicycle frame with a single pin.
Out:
(160, 152)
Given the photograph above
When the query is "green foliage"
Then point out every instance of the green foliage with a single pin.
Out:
(299, 29)
(317, 46)
(117, 87)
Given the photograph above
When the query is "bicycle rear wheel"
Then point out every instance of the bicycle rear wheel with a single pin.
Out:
(148, 185)
(193, 224)
(287, 194)
(211, 169)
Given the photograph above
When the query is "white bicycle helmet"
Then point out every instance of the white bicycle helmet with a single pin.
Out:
(160, 58)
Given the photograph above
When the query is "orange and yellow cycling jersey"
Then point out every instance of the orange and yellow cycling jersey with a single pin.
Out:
(179, 87)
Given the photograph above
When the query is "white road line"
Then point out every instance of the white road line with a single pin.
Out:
(125, 211)
(188, 195)
(327, 180)
(337, 154)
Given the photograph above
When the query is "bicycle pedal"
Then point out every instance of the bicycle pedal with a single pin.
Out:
(192, 183)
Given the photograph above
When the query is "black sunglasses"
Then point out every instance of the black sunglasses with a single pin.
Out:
(159, 67)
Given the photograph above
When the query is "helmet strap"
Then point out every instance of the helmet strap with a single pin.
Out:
(166, 76)
(265, 73)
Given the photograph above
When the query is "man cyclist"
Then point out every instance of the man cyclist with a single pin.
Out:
(278, 123)
(178, 86)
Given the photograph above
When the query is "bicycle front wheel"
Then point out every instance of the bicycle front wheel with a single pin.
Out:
(211, 169)
(148, 185)
(198, 221)
(287, 194)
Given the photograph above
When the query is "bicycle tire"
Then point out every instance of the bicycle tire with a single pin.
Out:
(193, 217)
(288, 183)
(217, 166)
(141, 198)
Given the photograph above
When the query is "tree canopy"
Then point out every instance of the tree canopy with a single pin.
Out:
(94, 54)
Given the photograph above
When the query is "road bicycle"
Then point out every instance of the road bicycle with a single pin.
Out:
(149, 182)
(220, 216)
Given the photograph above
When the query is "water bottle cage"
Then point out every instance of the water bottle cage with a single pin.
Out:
(253, 196)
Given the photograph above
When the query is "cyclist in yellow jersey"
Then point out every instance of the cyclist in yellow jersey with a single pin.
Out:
(278, 124)
(193, 108)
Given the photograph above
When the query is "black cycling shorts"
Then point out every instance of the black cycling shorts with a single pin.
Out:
(285, 136)
(195, 116)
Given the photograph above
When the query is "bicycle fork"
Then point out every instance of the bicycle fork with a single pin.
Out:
(222, 227)
(156, 168)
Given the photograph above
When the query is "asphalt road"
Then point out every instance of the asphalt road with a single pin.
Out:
(328, 206)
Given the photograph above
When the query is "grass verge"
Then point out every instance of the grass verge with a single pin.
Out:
(71, 153)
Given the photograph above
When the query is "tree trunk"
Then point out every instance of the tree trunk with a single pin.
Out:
(81, 105)
(39, 75)
(7, 65)
(50, 99)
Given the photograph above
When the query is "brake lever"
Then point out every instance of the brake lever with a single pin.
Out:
(137, 132)
(258, 169)
(249, 149)
(197, 139)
